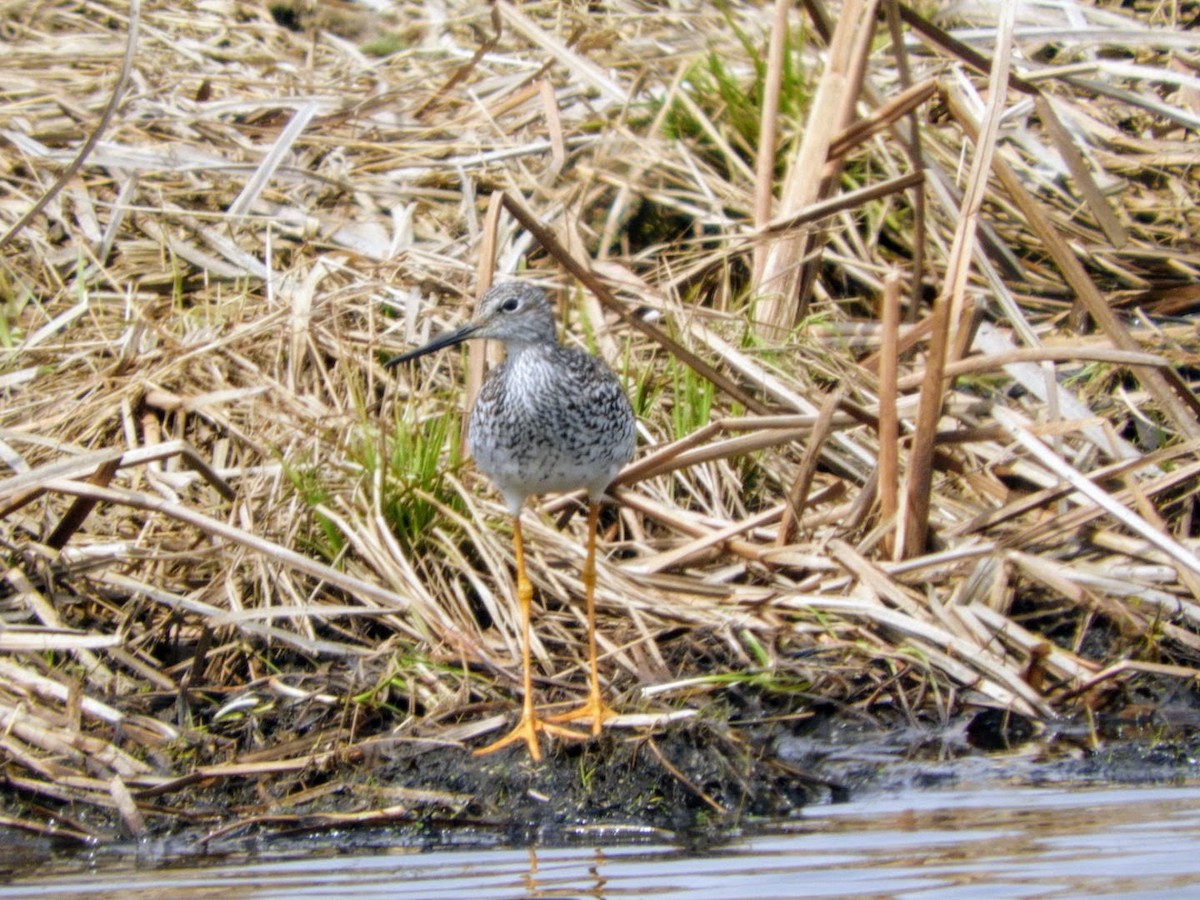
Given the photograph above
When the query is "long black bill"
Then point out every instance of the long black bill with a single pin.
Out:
(449, 339)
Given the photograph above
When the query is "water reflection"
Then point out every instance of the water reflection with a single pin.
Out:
(993, 842)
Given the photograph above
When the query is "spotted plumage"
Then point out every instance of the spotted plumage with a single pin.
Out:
(549, 418)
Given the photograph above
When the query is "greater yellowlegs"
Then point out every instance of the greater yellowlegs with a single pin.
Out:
(548, 419)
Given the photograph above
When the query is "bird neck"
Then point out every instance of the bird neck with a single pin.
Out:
(515, 349)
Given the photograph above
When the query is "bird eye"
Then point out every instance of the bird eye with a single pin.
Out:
(510, 305)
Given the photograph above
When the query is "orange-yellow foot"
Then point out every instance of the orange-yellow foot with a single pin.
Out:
(595, 710)
(527, 729)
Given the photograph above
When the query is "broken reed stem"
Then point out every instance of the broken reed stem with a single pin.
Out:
(948, 308)
(797, 495)
(889, 426)
(973, 365)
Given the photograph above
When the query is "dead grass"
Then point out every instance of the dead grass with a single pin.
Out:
(237, 549)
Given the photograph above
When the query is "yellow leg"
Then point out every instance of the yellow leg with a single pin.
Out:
(595, 708)
(527, 729)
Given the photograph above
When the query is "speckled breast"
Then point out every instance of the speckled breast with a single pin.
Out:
(550, 418)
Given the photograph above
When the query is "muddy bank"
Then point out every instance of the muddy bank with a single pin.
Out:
(697, 782)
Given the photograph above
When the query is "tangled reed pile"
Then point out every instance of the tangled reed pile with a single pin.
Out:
(905, 308)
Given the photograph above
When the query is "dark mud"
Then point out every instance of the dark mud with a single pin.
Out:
(694, 778)
(696, 783)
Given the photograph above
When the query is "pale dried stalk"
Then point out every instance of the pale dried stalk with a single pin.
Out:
(832, 106)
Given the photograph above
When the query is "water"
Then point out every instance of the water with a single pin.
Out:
(991, 842)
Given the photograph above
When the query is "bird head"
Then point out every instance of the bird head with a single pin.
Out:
(515, 313)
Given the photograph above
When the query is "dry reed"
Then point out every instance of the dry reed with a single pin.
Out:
(236, 549)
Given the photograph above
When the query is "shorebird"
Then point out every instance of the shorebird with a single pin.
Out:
(548, 419)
